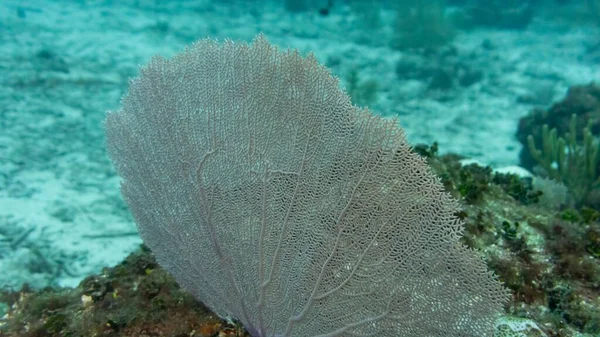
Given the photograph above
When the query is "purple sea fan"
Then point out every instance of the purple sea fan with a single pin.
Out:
(276, 202)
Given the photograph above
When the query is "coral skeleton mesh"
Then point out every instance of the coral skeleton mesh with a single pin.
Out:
(270, 197)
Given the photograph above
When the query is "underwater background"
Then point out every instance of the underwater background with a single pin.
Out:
(499, 95)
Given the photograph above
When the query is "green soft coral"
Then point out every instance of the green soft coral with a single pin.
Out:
(569, 162)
